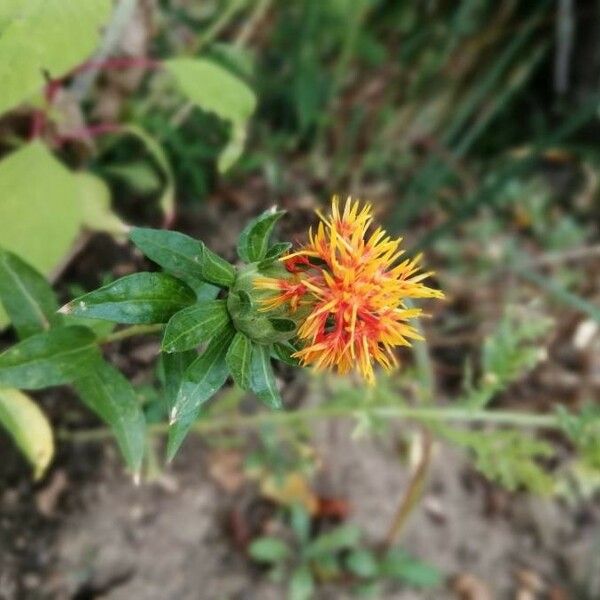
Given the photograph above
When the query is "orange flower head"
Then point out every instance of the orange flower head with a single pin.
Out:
(348, 289)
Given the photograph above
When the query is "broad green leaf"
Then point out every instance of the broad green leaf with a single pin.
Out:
(201, 380)
(268, 550)
(176, 253)
(215, 269)
(109, 394)
(283, 351)
(174, 366)
(216, 90)
(302, 584)
(340, 538)
(196, 324)
(97, 214)
(254, 239)
(29, 428)
(239, 360)
(399, 565)
(262, 381)
(141, 298)
(362, 563)
(26, 296)
(45, 38)
(50, 358)
(39, 212)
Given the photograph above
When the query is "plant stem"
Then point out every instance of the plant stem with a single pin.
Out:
(413, 491)
(129, 332)
(419, 414)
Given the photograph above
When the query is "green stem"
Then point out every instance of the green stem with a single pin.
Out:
(419, 414)
(129, 332)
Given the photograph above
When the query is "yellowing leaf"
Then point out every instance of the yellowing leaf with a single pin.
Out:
(39, 212)
(29, 428)
(290, 489)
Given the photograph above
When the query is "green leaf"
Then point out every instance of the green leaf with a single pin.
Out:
(268, 550)
(300, 522)
(397, 564)
(45, 38)
(283, 351)
(340, 538)
(109, 394)
(302, 584)
(239, 360)
(215, 90)
(254, 239)
(196, 324)
(51, 358)
(215, 269)
(29, 428)
(276, 250)
(156, 151)
(26, 296)
(135, 299)
(174, 366)
(362, 563)
(262, 381)
(39, 211)
(202, 379)
(178, 254)
(94, 197)
(283, 325)
(138, 175)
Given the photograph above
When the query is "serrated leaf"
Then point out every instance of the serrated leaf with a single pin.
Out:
(283, 351)
(215, 269)
(262, 381)
(216, 90)
(29, 428)
(196, 324)
(45, 38)
(94, 197)
(344, 536)
(268, 550)
(302, 584)
(50, 358)
(254, 239)
(27, 297)
(141, 298)
(109, 394)
(201, 380)
(239, 360)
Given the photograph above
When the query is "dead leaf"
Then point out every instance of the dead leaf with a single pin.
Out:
(225, 468)
(469, 587)
(292, 488)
